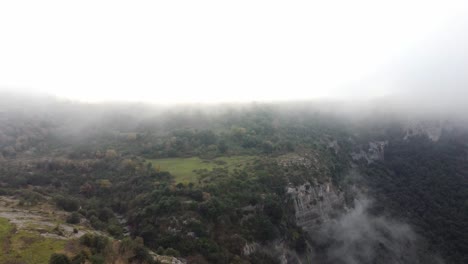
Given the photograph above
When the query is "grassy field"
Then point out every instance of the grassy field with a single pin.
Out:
(33, 248)
(184, 169)
(5, 229)
(26, 247)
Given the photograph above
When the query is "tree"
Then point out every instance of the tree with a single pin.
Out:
(273, 209)
(87, 189)
(59, 259)
(206, 137)
(111, 154)
(67, 204)
(222, 147)
(105, 183)
(73, 218)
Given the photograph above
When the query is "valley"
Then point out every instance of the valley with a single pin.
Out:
(251, 185)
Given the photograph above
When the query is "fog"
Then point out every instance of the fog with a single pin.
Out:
(209, 52)
(358, 236)
(32, 123)
(75, 77)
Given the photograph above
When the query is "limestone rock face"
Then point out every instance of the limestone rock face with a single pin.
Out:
(376, 151)
(250, 248)
(315, 204)
(276, 248)
(432, 130)
(168, 259)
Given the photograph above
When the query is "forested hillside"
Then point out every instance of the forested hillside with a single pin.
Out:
(257, 183)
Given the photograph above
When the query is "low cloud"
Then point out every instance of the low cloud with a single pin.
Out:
(359, 237)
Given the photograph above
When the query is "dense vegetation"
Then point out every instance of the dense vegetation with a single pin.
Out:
(426, 182)
(203, 186)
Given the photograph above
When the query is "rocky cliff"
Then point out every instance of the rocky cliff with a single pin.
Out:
(315, 204)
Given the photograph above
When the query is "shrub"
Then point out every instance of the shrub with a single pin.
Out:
(95, 242)
(171, 252)
(115, 230)
(73, 218)
(59, 259)
(67, 204)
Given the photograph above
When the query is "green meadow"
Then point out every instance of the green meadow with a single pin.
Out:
(185, 170)
(5, 229)
(26, 247)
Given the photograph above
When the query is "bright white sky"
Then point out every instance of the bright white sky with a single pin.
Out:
(210, 51)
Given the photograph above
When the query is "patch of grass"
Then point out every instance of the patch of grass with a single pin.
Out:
(5, 229)
(184, 169)
(31, 248)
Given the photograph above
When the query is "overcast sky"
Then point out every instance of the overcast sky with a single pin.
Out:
(211, 51)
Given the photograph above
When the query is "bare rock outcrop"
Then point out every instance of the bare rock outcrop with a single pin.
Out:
(315, 204)
(375, 152)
